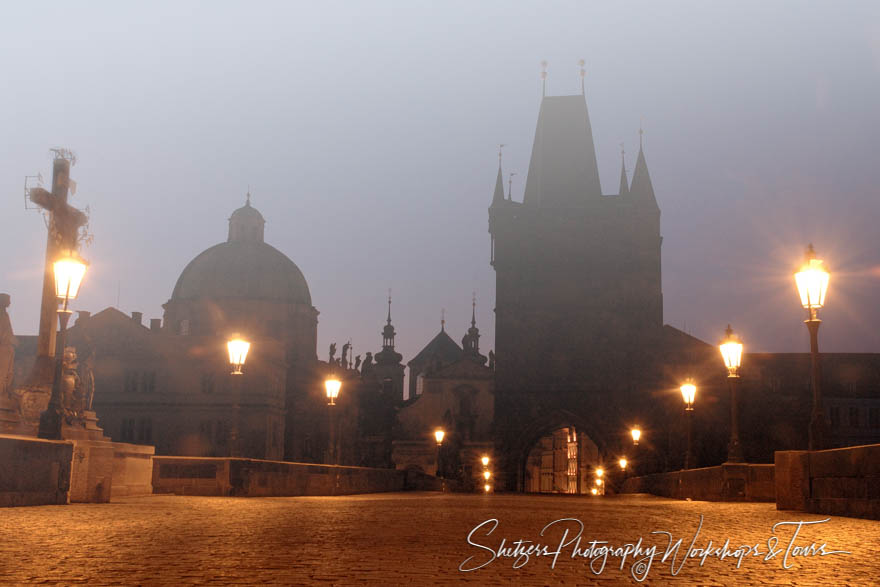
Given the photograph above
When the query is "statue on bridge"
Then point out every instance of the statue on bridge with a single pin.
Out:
(7, 347)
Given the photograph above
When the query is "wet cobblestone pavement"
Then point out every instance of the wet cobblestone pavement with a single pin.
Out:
(416, 539)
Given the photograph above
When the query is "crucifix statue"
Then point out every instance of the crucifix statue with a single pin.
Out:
(64, 226)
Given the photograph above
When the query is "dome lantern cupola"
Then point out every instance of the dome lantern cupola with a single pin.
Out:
(246, 224)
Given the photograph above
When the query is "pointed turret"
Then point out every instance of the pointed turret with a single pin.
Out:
(624, 182)
(388, 356)
(498, 197)
(642, 191)
(471, 341)
(563, 171)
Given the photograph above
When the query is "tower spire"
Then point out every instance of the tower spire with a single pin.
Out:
(543, 78)
(624, 183)
(498, 196)
(510, 186)
(583, 73)
(442, 319)
(389, 305)
(642, 190)
(474, 310)
(471, 341)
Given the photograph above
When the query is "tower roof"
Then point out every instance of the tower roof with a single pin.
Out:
(246, 224)
(563, 170)
(498, 196)
(442, 346)
(243, 267)
(642, 190)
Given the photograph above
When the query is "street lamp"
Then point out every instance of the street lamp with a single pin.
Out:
(636, 434)
(812, 283)
(600, 471)
(238, 350)
(732, 352)
(69, 272)
(332, 386)
(487, 488)
(439, 434)
(487, 475)
(622, 462)
(485, 460)
(689, 393)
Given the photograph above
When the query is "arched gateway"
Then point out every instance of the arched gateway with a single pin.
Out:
(555, 454)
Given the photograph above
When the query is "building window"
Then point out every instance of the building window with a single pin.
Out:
(148, 382)
(420, 384)
(127, 431)
(207, 382)
(145, 431)
(854, 417)
(874, 417)
(183, 328)
(131, 381)
(835, 416)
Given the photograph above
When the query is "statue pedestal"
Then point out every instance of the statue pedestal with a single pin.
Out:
(88, 429)
(10, 422)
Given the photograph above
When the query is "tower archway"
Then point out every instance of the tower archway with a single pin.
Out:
(556, 454)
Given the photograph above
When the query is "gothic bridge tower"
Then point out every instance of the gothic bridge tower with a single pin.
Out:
(579, 307)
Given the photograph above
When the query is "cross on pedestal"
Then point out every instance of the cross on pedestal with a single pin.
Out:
(64, 224)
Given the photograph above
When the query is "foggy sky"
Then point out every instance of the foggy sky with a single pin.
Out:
(368, 131)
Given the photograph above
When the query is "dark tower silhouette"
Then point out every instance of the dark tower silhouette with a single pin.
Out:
(579, 308)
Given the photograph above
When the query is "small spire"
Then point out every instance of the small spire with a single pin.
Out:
(389, 305)
(641, 134)
(543, 78)
(474, 309)
(510, 186)
(442, 319)
(583, 73)
(624, 183)
(247, 201)
(498, 196)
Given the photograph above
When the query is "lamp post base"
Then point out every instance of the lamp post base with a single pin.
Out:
(734, 453)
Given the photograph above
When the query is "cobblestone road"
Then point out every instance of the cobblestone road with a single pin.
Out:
(409, 539)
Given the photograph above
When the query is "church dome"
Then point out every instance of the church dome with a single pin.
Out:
(243, 267)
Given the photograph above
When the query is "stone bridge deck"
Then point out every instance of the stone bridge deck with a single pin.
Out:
(410, 538)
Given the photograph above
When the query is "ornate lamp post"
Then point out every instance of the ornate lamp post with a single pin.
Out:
(69, 272)
(623, 463)
(732, 351)
(332, 386)
(689, 393)
(439, 434)
(238, 348)
(812, 283)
